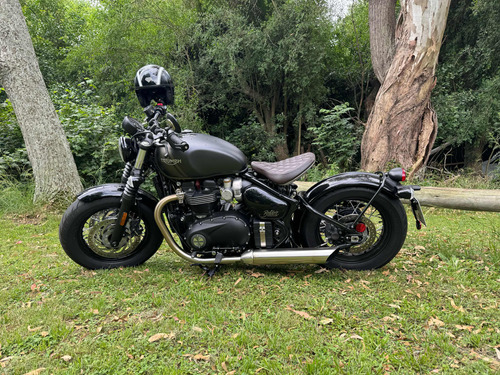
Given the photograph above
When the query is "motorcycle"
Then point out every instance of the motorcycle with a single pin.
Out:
(212, 208)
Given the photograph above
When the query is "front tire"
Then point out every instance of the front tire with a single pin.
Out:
(86, 228)
(385, 226)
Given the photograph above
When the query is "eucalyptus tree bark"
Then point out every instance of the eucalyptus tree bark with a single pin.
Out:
(382, 21)
(402, 126)
(54, 168)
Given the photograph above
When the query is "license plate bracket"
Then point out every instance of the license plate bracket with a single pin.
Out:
(417, 212)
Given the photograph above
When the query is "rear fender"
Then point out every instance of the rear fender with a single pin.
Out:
(341, 181)
(351, 179)
(115, 190)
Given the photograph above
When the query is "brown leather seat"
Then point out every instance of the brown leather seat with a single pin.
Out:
(285, 171)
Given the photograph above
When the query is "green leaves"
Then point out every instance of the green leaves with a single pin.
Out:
(338, 136)
(92, 131)
(266, 65)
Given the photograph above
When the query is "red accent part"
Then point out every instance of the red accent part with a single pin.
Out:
(197, 185)
(124, 219)
(403, 177)
(360, 227)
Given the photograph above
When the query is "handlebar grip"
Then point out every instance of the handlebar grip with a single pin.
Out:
(176, 142)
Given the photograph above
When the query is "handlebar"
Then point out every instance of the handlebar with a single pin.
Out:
(172, 138)
(176, 143)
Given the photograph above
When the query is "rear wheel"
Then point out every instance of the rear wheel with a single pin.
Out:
(381, 231)
(86, 228)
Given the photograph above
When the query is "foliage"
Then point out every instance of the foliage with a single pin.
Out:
(468, 94)
(253, 141)
(320, 172)
(121, 36)
(434, 307)
(254, 72)
(338, 136)
(257, 64)
(15, 196)
(92, 132)
(55, 27)
(352, 72)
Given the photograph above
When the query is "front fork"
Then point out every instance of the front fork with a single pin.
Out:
(133, 182)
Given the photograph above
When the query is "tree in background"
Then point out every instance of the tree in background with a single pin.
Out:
(468, 94)
(233, 61)
(56, 27)
(402, 126)
(54, 169)
(351, 77)
(263, 60)
(120, 37)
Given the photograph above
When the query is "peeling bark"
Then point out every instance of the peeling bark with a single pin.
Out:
(402, 126)
(53, 165)
(382, 22)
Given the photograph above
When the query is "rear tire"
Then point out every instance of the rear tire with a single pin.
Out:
(385, 225)
(86, 227)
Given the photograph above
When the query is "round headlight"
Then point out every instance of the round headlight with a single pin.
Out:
(126, 149)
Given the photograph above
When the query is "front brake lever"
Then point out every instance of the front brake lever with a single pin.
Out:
(170, 118)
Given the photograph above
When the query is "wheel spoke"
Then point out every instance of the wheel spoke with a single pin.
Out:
(346, 212)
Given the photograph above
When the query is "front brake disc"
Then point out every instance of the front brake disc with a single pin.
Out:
(99, 240)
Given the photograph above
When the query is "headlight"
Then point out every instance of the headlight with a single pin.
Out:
(127, 149)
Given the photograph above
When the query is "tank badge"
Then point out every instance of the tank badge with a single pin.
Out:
(169, 161)
(270, 213)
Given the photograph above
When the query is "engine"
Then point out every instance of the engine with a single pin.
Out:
(215, 221)
(230, 216)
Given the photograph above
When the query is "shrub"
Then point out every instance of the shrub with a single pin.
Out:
(338, 136)
(92, 131)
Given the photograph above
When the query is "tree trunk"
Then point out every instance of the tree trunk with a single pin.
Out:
(382, 22)
(473, 154)
(267, 118)
(402, 126)
(53, 165)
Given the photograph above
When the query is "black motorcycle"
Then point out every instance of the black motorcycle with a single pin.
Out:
(212, 208)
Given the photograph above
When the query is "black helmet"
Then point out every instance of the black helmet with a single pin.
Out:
(152, 82)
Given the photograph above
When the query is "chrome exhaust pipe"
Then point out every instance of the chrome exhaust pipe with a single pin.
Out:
(253, 257)
(288, 256)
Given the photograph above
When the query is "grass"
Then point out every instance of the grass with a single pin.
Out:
(434, 308)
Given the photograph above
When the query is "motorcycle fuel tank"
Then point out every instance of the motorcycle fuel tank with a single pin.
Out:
(206, 157)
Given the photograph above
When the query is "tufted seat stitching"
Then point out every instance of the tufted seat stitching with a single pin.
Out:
(285, 171)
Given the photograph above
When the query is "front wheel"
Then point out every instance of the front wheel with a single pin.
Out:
(86, 228)
(382, 228)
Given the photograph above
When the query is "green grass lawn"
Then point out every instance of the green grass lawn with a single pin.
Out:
(433, 309)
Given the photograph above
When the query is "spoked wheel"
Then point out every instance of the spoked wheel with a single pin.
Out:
(380, 233)
(86, 228)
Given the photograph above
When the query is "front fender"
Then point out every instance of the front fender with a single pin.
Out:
(351, 179)
(115, 190)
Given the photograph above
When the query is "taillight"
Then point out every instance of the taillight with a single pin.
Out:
(397, 174)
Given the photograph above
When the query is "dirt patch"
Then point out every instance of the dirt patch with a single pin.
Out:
(35, 218)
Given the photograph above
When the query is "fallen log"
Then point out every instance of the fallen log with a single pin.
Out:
(458, 199)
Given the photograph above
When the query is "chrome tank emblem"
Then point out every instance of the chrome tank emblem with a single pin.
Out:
(169, 161)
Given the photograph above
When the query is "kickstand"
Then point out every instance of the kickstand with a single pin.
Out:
(211, 271)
